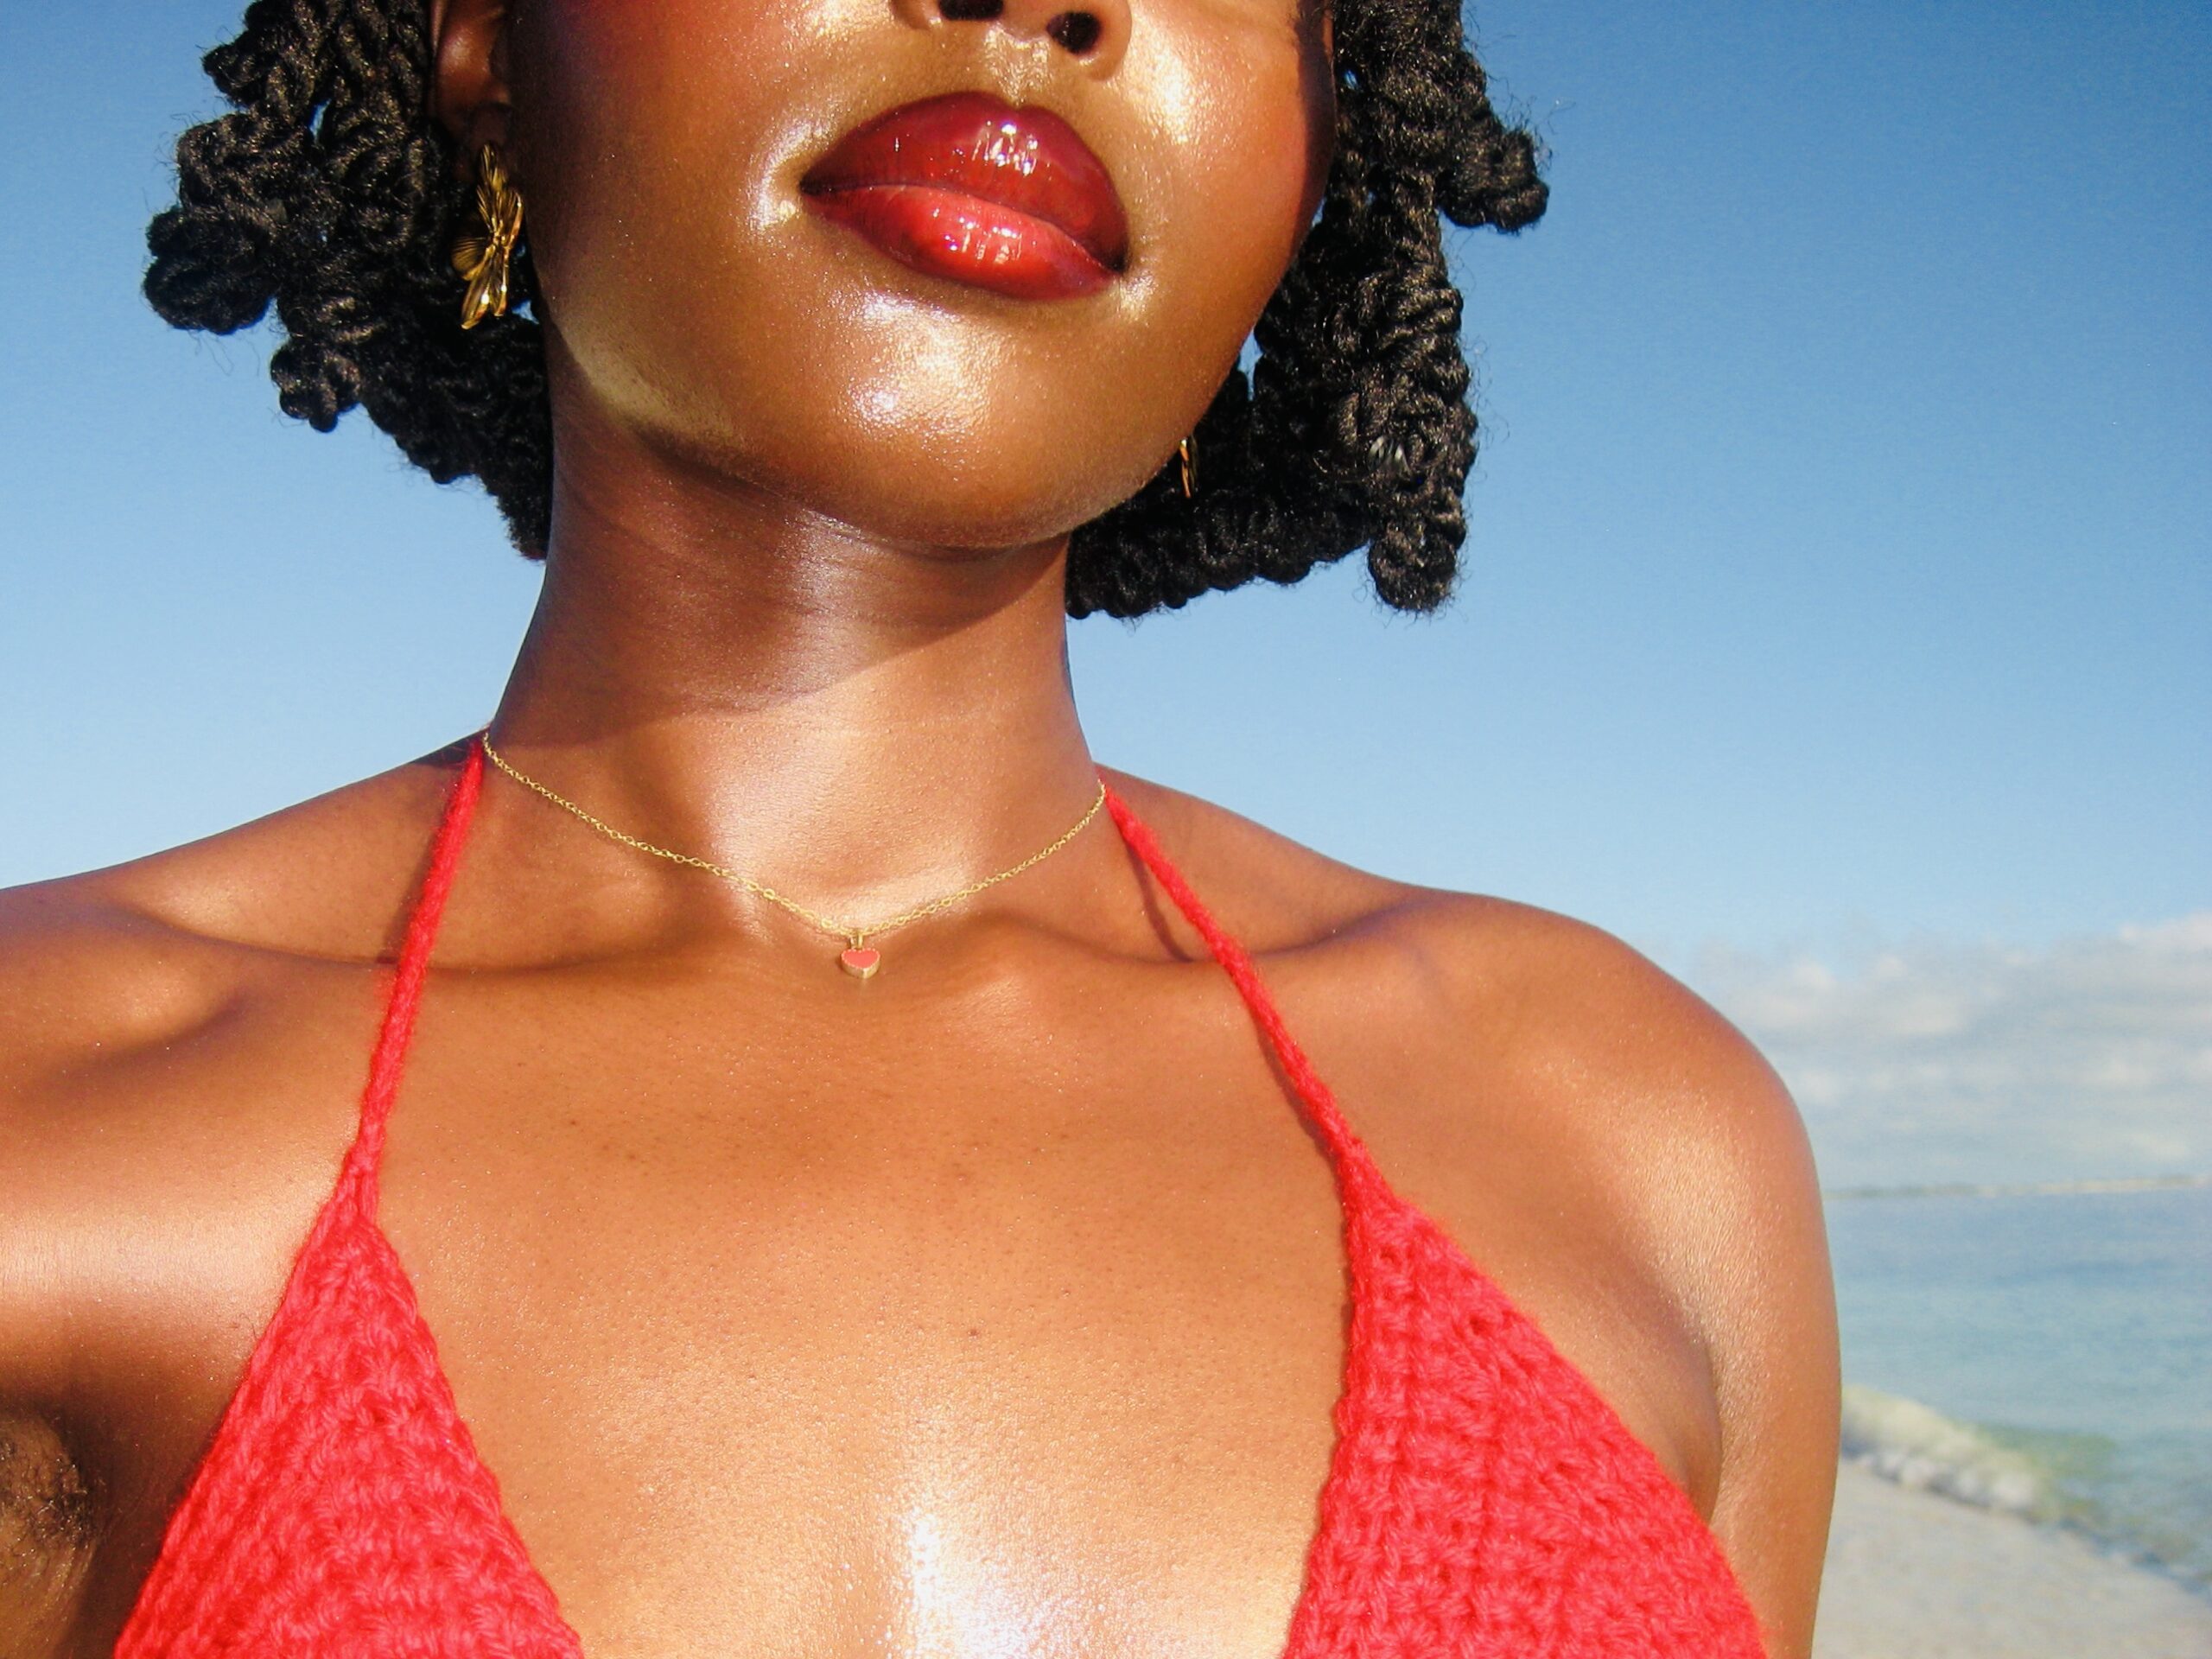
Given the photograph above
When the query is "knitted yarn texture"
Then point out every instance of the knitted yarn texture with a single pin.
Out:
(1482, 1500)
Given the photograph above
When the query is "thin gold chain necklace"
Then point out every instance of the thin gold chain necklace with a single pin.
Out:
(859, 958)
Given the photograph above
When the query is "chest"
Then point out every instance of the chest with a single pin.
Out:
(1015, 1331)
(1022, 1336)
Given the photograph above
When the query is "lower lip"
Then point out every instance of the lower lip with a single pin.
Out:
(984, 244)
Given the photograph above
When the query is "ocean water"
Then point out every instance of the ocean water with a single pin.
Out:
(2047, 1353)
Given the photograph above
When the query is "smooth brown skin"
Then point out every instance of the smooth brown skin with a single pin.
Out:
(993, 1306)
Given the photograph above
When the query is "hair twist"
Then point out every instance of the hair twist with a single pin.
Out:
(329, 194)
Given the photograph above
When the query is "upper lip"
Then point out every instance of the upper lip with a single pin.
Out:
(1019, 156)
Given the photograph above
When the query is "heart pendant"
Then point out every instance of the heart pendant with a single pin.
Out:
(861, 960)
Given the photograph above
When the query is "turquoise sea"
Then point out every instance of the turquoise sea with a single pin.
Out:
(2046, 1352)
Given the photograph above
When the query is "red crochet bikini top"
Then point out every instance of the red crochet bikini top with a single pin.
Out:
(1482, 1499)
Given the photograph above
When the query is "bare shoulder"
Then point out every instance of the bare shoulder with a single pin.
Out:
(1606, 1142)
(103, 970)
(1691, 1153)
(1516, 1011)
(111, 980)
(133, 1248)
(1523, 1013)
(84, 982)
(63, 950)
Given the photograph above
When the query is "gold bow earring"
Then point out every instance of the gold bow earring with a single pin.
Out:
(1187, 453)
(486, 257)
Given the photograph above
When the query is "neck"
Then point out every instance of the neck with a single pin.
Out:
(859, 722)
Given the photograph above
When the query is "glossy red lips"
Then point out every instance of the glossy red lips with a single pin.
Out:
(971, 188)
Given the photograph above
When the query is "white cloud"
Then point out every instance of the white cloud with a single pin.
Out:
(1942, 1061)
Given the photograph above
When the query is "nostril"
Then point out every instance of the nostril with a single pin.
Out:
(1078, 31)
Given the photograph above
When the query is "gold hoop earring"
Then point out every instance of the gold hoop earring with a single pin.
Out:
(486, 258)
(1187, 453)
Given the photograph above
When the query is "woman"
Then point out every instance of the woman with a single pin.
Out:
(856, 1211)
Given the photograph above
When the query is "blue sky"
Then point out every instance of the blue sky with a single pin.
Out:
(1837, 586)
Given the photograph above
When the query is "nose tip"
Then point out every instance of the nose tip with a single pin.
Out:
(1094, 31)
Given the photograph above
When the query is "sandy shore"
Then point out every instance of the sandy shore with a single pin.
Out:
(1912, 1575)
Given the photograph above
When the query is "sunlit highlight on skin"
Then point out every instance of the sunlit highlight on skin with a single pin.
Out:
(963, 1609)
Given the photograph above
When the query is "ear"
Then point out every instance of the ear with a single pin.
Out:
(470, 90)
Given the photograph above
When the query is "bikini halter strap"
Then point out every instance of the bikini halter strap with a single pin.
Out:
(1355, 1171)
(365, 1157)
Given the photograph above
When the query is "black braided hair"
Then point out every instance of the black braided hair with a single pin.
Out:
(329, 193)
